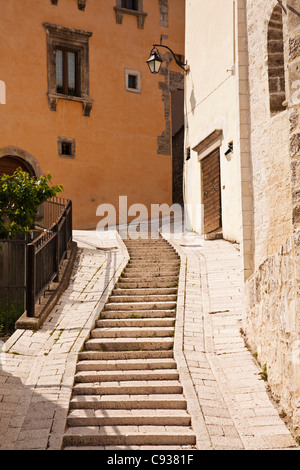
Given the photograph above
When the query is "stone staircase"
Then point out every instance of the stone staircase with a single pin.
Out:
(127, 393)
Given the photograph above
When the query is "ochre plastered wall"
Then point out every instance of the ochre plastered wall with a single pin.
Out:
(116, 147)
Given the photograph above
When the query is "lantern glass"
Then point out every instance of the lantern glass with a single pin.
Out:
(154, 62)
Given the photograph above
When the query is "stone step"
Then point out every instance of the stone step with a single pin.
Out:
(143, 274)
(131, 447)
(149, 241)
(129, 344)
(132, 332)
(93, 355)
(143, 298)
(136, 322)
(159, 290)
(125, 365)
(135, 387)
(128, 435)
(114, 314)
(135, 266)
(126, 402)
(127, 391)
(150, 272)
(163, 258)
(158, 282)
(151, 264)
(123, 376)
(100, 417)
(149, 248)
(139, 306)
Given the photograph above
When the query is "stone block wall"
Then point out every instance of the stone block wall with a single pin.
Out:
(272, 326)
(269, 132)
(272, 292)
(276, 70)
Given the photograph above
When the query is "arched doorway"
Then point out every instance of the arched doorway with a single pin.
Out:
(13, 157)
(9, 164)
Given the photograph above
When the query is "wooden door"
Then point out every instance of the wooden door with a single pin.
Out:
(211, 197)
(9, 164)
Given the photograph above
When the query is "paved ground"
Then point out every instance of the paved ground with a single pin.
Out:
(231, 403)
(228, 402)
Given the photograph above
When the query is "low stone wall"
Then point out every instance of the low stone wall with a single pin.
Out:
(272, 329)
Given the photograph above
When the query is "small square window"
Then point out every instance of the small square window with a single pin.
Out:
(66, 147)
(133, 81)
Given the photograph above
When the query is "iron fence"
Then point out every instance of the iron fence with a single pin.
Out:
(29, 265)
(46, 253)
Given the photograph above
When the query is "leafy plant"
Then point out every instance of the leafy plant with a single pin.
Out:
(20, 198)
(264, 374)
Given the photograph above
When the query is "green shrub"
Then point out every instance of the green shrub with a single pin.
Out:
(20, 198)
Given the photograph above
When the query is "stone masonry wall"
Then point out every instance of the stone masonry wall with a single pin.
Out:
(272, 293)
(272, 326)
(269, 141)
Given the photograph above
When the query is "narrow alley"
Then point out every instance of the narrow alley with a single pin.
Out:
(226, 399)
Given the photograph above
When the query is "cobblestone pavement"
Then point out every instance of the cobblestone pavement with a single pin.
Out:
(232, 409)
(37, 370)
(228, 402)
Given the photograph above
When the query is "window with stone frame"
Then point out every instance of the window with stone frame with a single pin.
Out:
(68, 66)
(130, 7)
(276, 72)
(132, 81)
(66, 147)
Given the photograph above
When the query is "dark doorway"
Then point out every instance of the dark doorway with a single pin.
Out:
(177, 106)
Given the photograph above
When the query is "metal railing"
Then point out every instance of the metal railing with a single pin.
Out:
(46, 253)
(30, 264)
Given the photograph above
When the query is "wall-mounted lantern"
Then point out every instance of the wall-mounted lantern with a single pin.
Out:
(155, 61)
